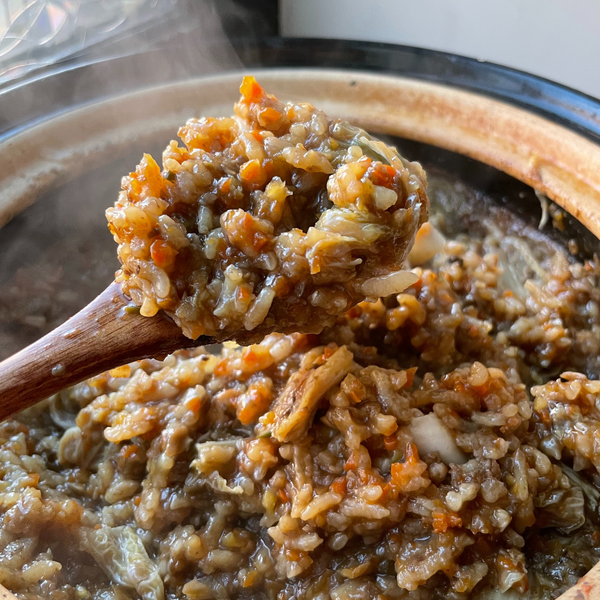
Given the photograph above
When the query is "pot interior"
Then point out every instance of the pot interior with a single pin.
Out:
(57, 254)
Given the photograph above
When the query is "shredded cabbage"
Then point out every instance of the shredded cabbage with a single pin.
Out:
(592, 495)
(563, 509)
(120, 553)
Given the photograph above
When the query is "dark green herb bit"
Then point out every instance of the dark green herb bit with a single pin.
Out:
(265, 434)
(132, 310)
(170, 176)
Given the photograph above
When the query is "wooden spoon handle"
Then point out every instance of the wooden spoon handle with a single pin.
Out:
(101, 336)
(587, 588)
(6, 594)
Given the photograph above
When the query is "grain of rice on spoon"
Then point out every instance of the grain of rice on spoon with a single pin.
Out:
(278, 218)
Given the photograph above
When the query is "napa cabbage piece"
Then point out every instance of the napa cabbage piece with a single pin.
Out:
(120, 553)
(591, 494)
(563, 509)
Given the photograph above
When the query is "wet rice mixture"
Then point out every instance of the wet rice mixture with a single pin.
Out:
(439, 443)
(276, 219)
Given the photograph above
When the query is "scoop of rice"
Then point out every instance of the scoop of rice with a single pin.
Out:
(278, 218)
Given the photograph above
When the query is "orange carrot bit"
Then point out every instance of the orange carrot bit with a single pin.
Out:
(251, 90)
(339, 485)
(315, 265)
(194, 404)
(410, 376)
(283, 495)
(389, 492)
(253, 404)
(221, 367)
(381, 174)
(148, 173)
(257, 357)
(253, 174)
(454, 520)
(268, 418)
(329, 352)
(293, 554)
(352, 462)
(390, 442)
(442, 521)
(163, 255)
(225, 186)
(408, 474)
(242, 293)
(269, 115)
(250, 355)
(250, 579)
(354, 312)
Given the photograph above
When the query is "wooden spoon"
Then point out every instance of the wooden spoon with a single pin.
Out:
(587, 588)
(101, 336)
(6, 594)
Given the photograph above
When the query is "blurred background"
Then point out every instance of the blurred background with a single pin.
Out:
(556, 39)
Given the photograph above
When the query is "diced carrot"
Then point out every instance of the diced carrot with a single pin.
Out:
(283, 495)
(250, 579)
(381, 174)
(339, 485)
(269, 115)
(253, 174)
(221, 368)
(163, 255)
(253, 404)
(251, 90)
(354, 312)
(194, 404)
(352, 462)
(442, 521)
(328, 352)
(225, 186)
(315, 265)
(353, 397)
(410, 376)
(242, 293)
(250, 355)
(390, 442)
